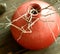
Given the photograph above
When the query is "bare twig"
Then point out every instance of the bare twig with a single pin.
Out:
(53, 35)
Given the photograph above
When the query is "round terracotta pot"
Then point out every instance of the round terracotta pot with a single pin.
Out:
(35, 25)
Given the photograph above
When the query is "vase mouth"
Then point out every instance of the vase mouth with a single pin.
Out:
(34, 9)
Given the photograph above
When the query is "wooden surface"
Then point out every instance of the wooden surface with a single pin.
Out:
(8, 45)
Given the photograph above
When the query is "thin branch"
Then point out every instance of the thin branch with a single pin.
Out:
(19, 37)
(58, 26)
(46, 7)
(18, 18)
(18, 28)
(53, 35)
(8, 19)
(33, 23)
(47, 14)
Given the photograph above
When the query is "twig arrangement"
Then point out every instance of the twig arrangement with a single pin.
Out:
(29, 21)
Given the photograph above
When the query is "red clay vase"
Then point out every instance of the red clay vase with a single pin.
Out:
(35, 25)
